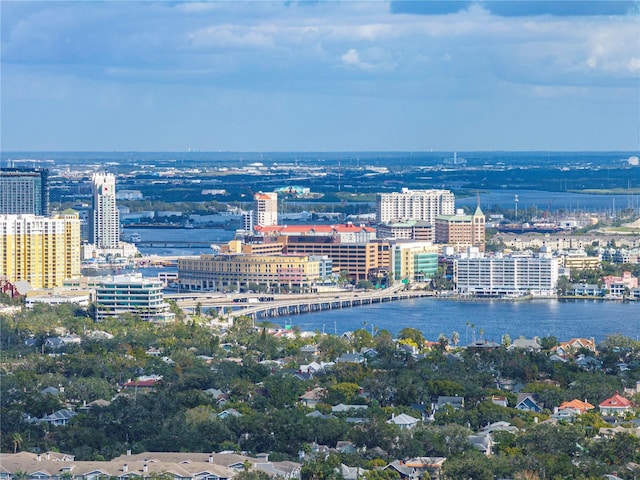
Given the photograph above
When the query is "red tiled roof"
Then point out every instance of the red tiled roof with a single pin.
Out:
(306, 229)
(576, 405)
(617, 401)
(141, 383)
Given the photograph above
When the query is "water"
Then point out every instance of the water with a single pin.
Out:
(569, 202)
(207, 235)
(560, 318)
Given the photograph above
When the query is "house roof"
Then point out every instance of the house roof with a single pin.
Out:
(317, 393)
(576, 404)
(617, 401)
(403, 419)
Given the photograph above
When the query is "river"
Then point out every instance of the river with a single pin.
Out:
(489, 320)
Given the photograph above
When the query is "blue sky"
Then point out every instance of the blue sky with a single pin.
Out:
(320, 75)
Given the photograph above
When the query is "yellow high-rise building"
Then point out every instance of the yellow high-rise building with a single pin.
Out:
(43, 251)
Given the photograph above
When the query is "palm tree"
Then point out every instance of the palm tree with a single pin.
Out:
(455, 338)
(16, 438)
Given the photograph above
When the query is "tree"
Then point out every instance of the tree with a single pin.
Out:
(16, 438)
(412, 334)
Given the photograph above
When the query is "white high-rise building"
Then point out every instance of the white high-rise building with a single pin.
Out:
(105, 225)
(408, 204)
(506, 276)
(265, 212)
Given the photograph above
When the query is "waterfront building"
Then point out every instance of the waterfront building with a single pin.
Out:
(408, 204)
(244, 272)
(105, 224)
(133, 294)
(414, 261)
(556, 243)
(42, 251)
(506, 276)
(347, 233)
(417, 230)
(461, 230)
(618, 286)
(24, 191)
(265, 210)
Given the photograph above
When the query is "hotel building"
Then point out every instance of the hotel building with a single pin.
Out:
(506, 276)
(105, 224)
(24, 191)
(408, 204)
(42, 251)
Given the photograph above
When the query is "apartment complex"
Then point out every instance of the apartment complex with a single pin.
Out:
(414, 261)
(131, 294)
(414, 205)
(39, 250)
(105, 222)
(506, 276)
(247, 271)
(461, 230)
(265, 210)
(24, 191)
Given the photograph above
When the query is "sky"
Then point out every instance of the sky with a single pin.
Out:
(320, 75)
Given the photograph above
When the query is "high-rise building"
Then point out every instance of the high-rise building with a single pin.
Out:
(39, 250)
(24, 191)
(506, 276)
(265, 210)
(414, 261)
(105, 225)
(461, 230)
(414, 205)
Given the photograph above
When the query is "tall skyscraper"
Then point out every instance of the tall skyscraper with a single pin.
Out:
(42, 251)
(414, 205)
(265, 210)
(105, 226)
(24, 190)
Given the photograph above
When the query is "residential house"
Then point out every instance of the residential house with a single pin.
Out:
(404, 421)
(499, 427)
(616, 405)
(355, 357)
(351, 473)
(500, 400)
(414, 468)
(572, 346)
(530, 344)
(456, 402)
(345, 447)
(312, 397)
(529, 402)
(61, 417)
(341, 408)
(229, 412)
(483, 442)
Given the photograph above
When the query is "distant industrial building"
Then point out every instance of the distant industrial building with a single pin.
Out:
(461, 230)
(42, 251)
(408, 204)
(24, 191)
(506, 276)
(105, 224)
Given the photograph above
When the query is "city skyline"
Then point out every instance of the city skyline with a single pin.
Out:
(320, 76)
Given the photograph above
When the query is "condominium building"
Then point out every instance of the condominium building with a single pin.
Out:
(414, 205)
(265, 211)
(105, 224)
(461, 230)
(417, 230)
(24, 191)
(42, 251)
(131, 294)
(506, 276)
(414, 261)
(244, 272)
